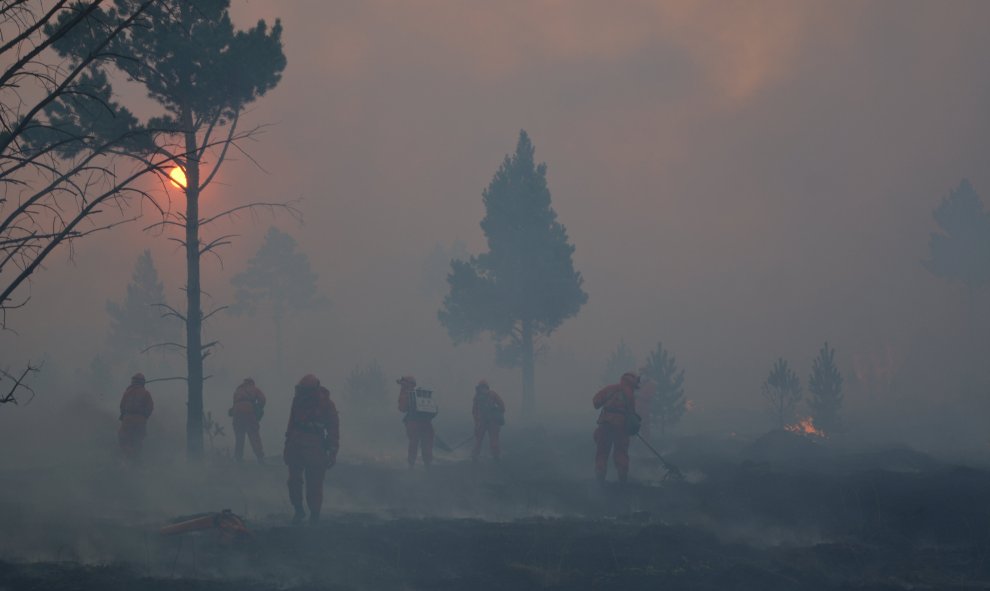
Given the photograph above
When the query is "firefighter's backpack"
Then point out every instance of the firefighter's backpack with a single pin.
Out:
(423, 404)
(492, 412)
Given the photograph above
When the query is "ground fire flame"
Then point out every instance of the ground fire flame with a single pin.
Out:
(806, 426)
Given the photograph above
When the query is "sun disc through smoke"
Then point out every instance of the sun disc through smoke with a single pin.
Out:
(177, 177)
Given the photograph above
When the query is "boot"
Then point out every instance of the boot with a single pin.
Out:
(314, 517)
(298, 517)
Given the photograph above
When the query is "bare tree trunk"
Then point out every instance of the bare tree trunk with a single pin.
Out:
(277, 314)
(194, 312)
(528, 377)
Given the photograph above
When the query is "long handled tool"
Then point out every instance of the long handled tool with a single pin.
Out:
(672, 471)
(461, 444)
(441, 444)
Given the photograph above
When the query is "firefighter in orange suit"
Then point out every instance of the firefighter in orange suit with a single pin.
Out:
(489, 416)
(419, 428)
(136, 407)
(249, 406)
(311, 443)
(615, 402)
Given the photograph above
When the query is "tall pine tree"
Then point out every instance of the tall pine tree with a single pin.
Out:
(137, 322)
(668, 404)
(278, 278)
(782, 392)
(202, 73)
(619, 361)
(825, 386)
(961, 251)
(525, 286)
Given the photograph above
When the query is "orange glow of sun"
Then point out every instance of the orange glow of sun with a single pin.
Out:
(177, 177)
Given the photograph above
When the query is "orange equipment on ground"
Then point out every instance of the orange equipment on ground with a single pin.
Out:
(228, 524)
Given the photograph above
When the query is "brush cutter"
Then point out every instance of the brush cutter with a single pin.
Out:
(672, 472)
(441, 444)
(461, 444)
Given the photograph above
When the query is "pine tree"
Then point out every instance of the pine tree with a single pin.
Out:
(437, 264)
(782, 392)
(202, 73)
(619, 361)
(525, 286)
(367, 386)
(137, 322)
(669, 404)
(280, 278)
(962, 251)
(825, 386)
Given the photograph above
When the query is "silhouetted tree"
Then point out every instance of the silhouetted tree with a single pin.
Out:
(782, 392)
(825, 386)
(962, 250)
(367, 386)
(619, 362)
(57, 182)
(669, 404)
(525, 286)
(278, 277)
(437, 265)
(136, 322)
(203, 74)
(10, 384)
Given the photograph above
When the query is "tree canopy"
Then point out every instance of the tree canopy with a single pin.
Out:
(619, 361)
(669, 404)
(825, 387)
(279, 278)
(202, 73)
(782, 392)
(525, 286)
(961, 251)
(137, 321)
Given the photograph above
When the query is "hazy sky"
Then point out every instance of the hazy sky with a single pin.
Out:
(741, 180)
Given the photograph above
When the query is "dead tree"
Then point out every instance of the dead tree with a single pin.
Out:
(56, 183)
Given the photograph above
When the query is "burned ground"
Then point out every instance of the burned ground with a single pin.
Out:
(777, 512)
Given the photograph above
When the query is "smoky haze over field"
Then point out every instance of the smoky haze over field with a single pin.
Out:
(740, 183)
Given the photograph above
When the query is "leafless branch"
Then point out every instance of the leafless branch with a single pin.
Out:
(162, 346)
(10, 397)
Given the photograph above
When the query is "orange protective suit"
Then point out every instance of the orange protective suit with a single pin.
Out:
(312, 439)
(419, 430)
(249, 404)
(135, 407)
(487, 410)
(610, 436)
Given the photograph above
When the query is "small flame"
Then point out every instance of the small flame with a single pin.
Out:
(689, 405)
(805, 426)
